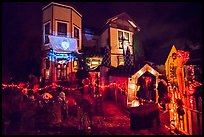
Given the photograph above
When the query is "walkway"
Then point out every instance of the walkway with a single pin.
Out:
(116, 122)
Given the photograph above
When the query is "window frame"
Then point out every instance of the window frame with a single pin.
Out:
(57, 27)
(121, 41)
(77, 38)
(44, 32)
(119, 60)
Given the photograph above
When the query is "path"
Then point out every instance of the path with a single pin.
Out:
(116, 122)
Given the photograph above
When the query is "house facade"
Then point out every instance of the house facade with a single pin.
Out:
(62, 39)
(117, 35)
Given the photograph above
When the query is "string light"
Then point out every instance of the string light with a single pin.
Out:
(54, 85)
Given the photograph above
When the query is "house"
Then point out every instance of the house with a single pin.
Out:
(117, 34)
(62, 40)
(65, 41)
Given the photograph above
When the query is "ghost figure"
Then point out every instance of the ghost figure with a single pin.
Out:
(65, 45)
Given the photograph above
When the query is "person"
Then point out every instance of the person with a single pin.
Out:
(42, 84)
(64, 107)
(162, 90)
(141, 91)
(97, 85)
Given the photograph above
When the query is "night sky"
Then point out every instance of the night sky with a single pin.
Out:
(162, 25)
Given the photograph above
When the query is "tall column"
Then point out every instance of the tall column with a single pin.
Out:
(157, 95)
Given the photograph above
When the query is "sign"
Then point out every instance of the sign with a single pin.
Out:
(63, 44)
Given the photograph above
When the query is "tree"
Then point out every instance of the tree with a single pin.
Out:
(138, 51)
(106, 58)
(127, 58)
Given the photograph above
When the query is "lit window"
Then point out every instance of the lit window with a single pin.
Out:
(46, 33)
(94, 63)
(75, 65)
(126, 36)
(61, 29)
(120, 60)
(47, 73)
(122, 37)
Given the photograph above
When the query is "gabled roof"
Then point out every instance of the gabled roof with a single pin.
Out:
(63, 4)
(124, 15)
(146, 68)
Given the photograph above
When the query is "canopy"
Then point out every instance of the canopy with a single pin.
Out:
(63, 44)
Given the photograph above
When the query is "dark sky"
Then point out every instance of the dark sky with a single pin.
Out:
(162, 25)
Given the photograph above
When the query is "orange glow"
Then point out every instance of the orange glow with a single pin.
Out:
(35, 88)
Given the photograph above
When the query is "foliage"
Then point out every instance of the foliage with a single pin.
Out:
(127, 58)
(106, 58)
(138, 51)
(82, 74)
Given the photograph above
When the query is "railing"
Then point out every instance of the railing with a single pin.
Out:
(192, 120)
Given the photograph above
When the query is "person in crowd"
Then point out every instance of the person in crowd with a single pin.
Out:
(42, 84)
(29, 106)
(97, 85)
(162, 91)
(64, 108)
(15, 115)
(141, 91)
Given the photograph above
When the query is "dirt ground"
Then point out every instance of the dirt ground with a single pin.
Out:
(117, 122)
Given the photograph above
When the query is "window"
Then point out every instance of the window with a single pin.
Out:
(47, 73)
(76, 32)
(61, 29)
(122, 37)
(126, 36)
(76, 35)
(61, 70)
(95, 63)
(120, 60)
(75, 64)
(46, 33)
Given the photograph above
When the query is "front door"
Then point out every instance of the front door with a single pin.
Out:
(61, 71)
(148, 85)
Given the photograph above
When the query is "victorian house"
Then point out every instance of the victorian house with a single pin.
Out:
(62, 40)
(64, 37)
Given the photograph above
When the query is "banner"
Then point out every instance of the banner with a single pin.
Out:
(63, 44)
